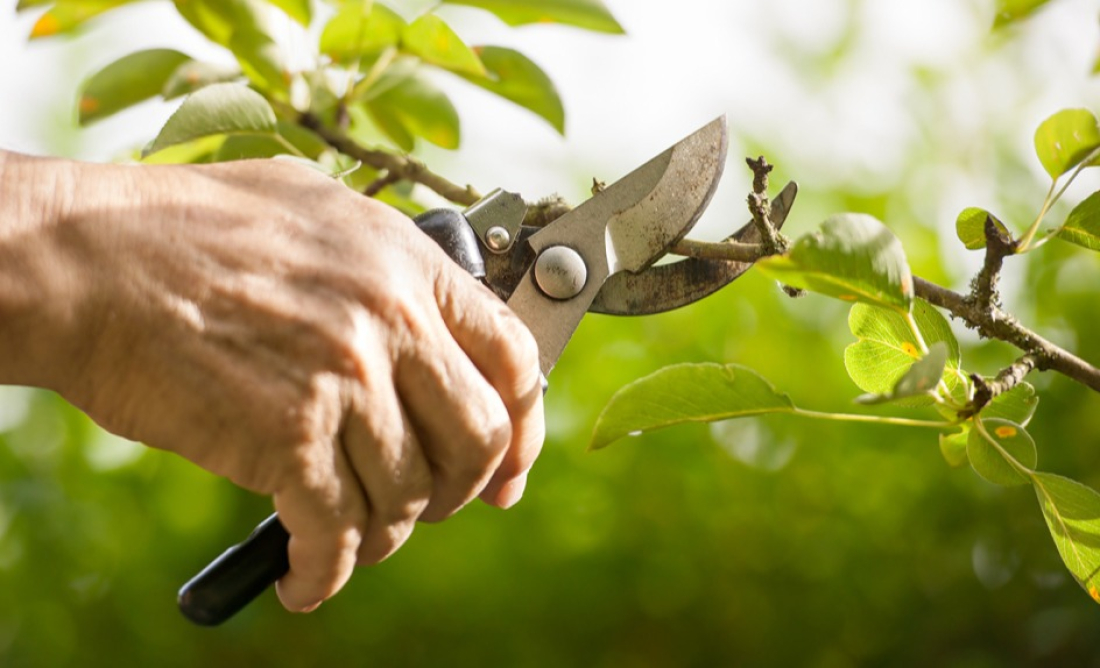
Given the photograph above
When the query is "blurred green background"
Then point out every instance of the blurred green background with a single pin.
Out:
(772, 542)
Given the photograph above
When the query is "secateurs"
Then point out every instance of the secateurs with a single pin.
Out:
(598, 257)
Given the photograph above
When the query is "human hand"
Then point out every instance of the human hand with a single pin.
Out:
(304, 341)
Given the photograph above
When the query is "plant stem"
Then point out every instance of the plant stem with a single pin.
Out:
(404, 168)
(991, 323)
(1025, 241)
(874, 419)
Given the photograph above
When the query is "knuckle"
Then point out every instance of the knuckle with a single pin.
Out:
(520, 352)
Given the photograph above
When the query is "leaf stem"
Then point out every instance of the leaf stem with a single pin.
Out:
(912, 323)
(1012, 461)
(1024, 244)
(291, 148)
(875, 419)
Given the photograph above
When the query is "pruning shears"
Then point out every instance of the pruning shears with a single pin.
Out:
(598, 257)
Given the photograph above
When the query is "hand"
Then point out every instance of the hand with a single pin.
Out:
(304, 341)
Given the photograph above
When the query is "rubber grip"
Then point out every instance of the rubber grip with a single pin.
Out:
(238, 576)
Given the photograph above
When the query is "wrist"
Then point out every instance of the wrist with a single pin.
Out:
(38, 287)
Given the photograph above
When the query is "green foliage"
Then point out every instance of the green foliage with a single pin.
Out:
(1010, 11)
(361, 30)
(1082, 227)
(413, 107)
(513, 76)
(65, 16)
(970, 227)
(906, 353)
(918, 383)
(888, 345)
(853, 258)
(590, 14)
(1067, 139)
(1072, 512)
(219, 109)
(1002, 452)
(432, 40)
(127, 81)
(386, 56)
(687, 393)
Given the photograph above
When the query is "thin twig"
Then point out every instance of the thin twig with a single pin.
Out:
(404, 168)
(760, 208)
(381, 183)
(986, 390)
(722, 250)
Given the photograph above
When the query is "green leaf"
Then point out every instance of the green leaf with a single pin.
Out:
(415, 108)
(1017, 405)
(127, 81)
(1083, 224)
(513, 76)
(433, 41)
(219, 20)
(218, 109)
(853, 258)
(299, 10)
(361, 30)
(1072, 513)
(687, 393)
(67, 15)
(887, 347)
(993, 459)
(970, 227)
(919, 381)
(589, 14)
(1009, 11)
(953, 448)
(201, 150)
(260, 59)
(195, 74)
(1065, 139)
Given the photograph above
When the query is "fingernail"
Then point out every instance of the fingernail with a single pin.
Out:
(513, 492)
(310, 608)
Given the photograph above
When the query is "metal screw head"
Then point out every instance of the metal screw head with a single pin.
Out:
(497, 238)
(560, 272)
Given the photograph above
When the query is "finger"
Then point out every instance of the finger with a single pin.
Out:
(505, 352)
(460, 420)
(382, 447)
(324, 512)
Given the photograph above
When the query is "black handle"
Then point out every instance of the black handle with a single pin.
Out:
(245, 570)
(239, 575)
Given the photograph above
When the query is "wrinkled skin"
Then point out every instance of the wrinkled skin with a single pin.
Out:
(275, 328)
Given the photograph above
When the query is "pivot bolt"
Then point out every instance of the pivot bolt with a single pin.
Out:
(497, 238)
(560, 272)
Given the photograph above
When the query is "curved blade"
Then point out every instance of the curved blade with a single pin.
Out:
(626, 227)
(671, 286)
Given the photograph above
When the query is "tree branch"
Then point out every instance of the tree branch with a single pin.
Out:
(402, 168)
(996, 324)
(998, 245)
(985, 390)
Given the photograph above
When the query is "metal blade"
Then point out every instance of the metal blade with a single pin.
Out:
(670, 286)
(627, 226)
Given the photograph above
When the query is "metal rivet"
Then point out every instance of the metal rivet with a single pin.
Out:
(560, 272)
(497, 238)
